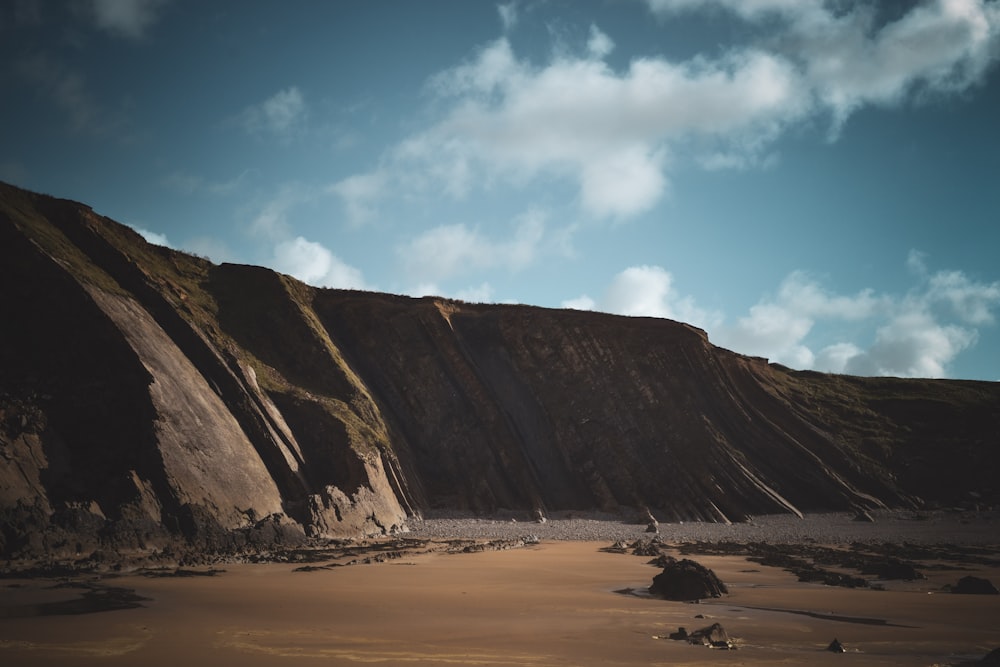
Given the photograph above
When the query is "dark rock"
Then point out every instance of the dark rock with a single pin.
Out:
(619, 547)
(687, 580)
(991, 658)
(894, 569)
(975, 586)
(830, 578)
(662, 561)
(681, 635)
(714, 635)
(836, 647)
(645, 548)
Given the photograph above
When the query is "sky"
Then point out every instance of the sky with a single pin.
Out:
(812, 181)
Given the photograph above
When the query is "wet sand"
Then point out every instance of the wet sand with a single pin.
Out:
(550, 604)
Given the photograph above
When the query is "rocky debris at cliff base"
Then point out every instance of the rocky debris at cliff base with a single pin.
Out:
(686, 580)
(975, 586)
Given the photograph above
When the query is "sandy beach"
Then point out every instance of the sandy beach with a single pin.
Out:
(557, 602)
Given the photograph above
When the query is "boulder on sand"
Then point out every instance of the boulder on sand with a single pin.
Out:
(714, 635)
(975, 586)
(686, 580)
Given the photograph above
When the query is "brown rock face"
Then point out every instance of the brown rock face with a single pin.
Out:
(148, 395)
(686, 580)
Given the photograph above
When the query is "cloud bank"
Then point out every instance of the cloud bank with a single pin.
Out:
(917, 334)
(615, 134)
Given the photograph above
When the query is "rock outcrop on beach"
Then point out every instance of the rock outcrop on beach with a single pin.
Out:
(970, 585)
(149, 396)
(686, 580)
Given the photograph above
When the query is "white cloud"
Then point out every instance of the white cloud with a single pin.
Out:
(918, 334)
(848, 61)
(582, 302)
(314, 264)
(272, 219)
(577, 118)
(283, 114)
(360, 194)
(646, 291)
(915, 335)
(128, 18)
(153, 237)
(834, 358)
(777, 327)
(599, 45)
(912, 344)
(625, 183)
(481, 293)
(916, 262)
(802, 294)
(449, 250)
(614, 134)
(771, 330)
(508, 15)
(971, 302)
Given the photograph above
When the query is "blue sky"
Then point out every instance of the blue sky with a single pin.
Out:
(811, 181)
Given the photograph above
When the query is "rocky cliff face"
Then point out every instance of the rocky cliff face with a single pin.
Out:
(148, 396)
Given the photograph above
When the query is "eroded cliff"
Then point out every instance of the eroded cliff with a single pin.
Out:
(149, 396)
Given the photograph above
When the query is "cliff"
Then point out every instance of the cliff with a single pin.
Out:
(149, 396)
